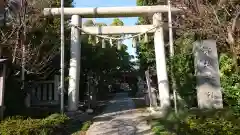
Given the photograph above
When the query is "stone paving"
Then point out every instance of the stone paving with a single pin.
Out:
(120, 118)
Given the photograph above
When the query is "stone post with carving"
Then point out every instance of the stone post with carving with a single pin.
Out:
(209, 93)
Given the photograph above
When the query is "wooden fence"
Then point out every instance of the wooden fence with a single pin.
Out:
(46, 92)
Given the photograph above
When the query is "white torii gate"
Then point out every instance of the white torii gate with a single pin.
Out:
(107, 12)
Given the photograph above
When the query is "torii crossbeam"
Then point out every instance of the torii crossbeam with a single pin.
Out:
(108, 12)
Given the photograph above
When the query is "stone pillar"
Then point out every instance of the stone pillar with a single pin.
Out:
(74, 71)
(3, 70)
(56, 88)
(151, 91)
(163, 85)
(209, 93)
(28, 100)
(149, 87)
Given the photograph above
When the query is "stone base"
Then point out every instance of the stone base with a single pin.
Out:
(89, 110)
(73, 113)
(157, 112)
(2, 109)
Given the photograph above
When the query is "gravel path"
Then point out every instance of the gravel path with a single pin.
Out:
(120, 118)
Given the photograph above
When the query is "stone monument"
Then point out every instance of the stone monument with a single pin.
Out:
(209, 93)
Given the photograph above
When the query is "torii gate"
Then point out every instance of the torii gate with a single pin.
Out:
(108, 12)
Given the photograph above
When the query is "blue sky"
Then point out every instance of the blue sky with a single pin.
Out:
(111, 3)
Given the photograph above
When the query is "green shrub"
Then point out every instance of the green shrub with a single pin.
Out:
(21, 126)
(86, 125)
(183, 68)
(214, 123)
(186, 81)
(230, 83)
(221, 122)
(182, 64)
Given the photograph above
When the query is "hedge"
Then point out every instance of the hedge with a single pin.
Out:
(51, 125)
(221, 122)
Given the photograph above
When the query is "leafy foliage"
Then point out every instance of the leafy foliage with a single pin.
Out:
(20, 126)
(117, 22)
(199, 122)
(107, 64)
(230, 83)
(86, 125)
(200, 19)
(41, 43)
(40, 36)
(212, 19)
(183, 66)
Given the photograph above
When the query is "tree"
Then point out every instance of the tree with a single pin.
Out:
(105, 64)
(199, 20)
(117, 22)
(28, 32)
(40, 41)
(216, 19)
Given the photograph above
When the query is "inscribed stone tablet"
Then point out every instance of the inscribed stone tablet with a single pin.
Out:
(209, 93)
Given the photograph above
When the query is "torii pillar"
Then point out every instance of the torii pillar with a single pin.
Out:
(74, 71)
(162, 77)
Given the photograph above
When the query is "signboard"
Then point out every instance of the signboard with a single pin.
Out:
(209, 93)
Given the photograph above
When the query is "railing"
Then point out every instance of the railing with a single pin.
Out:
(46, 92)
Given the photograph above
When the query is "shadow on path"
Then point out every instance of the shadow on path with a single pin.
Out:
(120, 118)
